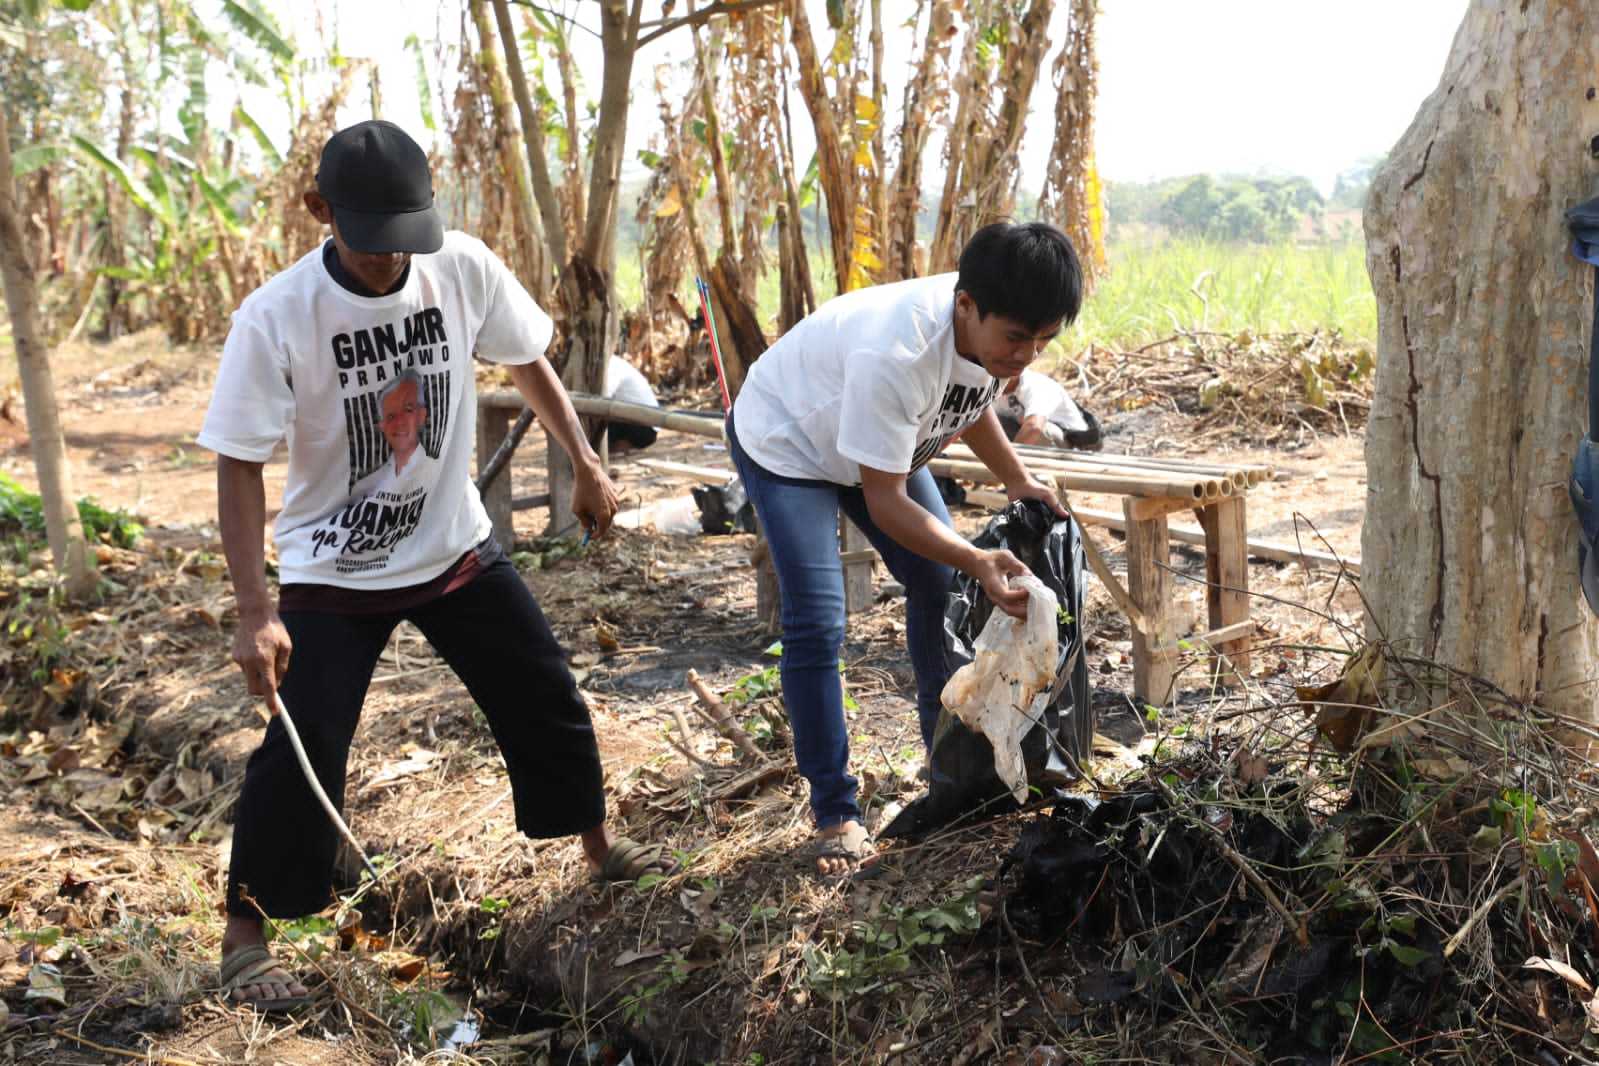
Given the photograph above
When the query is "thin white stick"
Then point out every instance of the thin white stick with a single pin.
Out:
(316, 786)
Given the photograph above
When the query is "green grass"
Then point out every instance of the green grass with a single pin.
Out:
(1154, 288)
(22, 514)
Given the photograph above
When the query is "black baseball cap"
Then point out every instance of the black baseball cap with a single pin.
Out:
(376, 179)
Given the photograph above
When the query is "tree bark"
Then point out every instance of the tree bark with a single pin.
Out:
(530, 243)
(572, 155)
(1469, 545)
(713, 147)
(586, 280)
(925, 94)
(619, 32)
(62, 525)
(968, 86)
(1072, 195)
(833, 154)
(985, 189)
(799, 262)
(532, 136)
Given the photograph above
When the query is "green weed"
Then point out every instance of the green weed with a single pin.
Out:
(879, 950)
(22, 511)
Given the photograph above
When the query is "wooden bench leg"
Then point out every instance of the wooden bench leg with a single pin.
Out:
(1149, 586)
(1227, 578)
(768, 597)
(492, 425)
(857, 572)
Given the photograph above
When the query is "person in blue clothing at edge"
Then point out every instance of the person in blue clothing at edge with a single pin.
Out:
(360, 357)
(844, 412)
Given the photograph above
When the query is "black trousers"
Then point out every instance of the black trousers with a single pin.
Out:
(493, 635)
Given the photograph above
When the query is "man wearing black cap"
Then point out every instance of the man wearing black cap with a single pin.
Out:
(390, 298)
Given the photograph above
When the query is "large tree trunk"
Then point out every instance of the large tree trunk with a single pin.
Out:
(926, 97)
(989, 139)
(530, 249)
(1470, 547)
(586, 282)
(532, 136)
(833, 150)
(1071, 197)
(62, 526)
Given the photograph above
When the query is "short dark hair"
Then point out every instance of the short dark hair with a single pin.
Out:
(1027, 272)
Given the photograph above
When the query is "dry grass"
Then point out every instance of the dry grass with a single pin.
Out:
(125, 730)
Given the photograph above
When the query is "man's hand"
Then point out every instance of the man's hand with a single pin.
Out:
(594, 499)
(1032, 431)
(261, 647)
(1028, 489)
(993, 570)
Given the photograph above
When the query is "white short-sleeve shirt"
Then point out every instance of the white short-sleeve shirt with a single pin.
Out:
(306, 362)
(870, 378)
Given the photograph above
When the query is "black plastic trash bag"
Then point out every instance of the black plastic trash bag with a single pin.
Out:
(961, 768)
(724, 508)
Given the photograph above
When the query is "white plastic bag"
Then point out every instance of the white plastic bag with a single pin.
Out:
(1002, 692)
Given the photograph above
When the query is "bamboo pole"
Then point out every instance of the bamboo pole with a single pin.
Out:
(1260, 471)
(1203, 487)
(638, 414)
(1123, 484)
(1184, 479)
(1240, 476)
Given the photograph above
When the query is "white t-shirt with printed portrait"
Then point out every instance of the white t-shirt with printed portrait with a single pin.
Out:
(1039, 394)
(870, 378)
(305, 363)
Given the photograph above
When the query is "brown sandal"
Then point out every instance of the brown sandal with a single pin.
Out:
(628, 860)
(248, 966)
(854, 846)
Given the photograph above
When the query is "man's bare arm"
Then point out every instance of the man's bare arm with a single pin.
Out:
(260, 643)
(987, 441)
(912, 526)
(594, 498)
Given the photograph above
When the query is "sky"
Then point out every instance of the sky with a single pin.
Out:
(1304, 87)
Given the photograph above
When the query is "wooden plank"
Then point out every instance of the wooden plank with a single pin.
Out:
(1227, 576)
(1270, 550)
(1149, 585)
(1227, 633)
(702, 425)
(1102, 570)
(856, 558)
(768, 600)
(1154, 507)
(708, 475)
(492, 425)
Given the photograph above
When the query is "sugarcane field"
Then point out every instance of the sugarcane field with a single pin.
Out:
(770, 532)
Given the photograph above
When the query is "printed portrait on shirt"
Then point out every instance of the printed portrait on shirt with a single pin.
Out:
(397, 395)
(391, 364)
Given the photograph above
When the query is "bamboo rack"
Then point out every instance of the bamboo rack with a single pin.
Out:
(1150, 483)
(1253, 473)
(1208, 486)
(1084, 471)
(706, 425)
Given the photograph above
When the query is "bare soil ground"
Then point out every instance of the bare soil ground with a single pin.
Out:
(121, 747)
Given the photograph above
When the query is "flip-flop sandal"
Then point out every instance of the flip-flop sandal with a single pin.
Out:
(248, 966)
(628, 860)
(855, 847)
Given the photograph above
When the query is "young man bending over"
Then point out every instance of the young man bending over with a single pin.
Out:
(843, 413)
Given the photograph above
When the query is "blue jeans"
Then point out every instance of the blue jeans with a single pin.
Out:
(800, 520)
